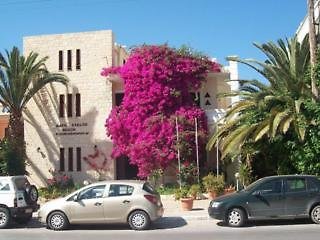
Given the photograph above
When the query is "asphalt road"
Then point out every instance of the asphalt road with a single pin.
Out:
(174, 228)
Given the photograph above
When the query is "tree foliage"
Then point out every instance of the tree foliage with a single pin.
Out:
(157, 85)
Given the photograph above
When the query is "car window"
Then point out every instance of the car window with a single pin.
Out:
(120, 190)
(92, 192)
(313, 185)
(270, 187)
(296, 185)
(4, 186)
(148, 188)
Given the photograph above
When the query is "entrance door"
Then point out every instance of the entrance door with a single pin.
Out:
(125, 170)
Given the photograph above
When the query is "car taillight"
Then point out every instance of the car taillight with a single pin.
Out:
(15, 202)
(151, 199)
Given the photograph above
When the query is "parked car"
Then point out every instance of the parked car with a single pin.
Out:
(275, 197)
(18, 200)
(134, 202)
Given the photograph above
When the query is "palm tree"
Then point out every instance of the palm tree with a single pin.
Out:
(266, 110)
(20, 79)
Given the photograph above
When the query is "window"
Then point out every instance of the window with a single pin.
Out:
(119, 98)
(93, 192)
(70, 159)
(61, 105)
(69, 105)
(62, 159)
(78, 159)
(271, 187)
(78, 105)
(78, 59)
(69, 59)
(120, 190)
(60, 60)
(4, 186)
(296, 185)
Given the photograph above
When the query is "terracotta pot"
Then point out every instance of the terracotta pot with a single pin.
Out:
(212, 195)
(228, 191)
(186, 204)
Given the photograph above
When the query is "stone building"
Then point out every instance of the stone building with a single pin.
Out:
(64, 125)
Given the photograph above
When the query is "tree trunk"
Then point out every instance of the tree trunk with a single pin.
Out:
(313, 46)
(16, 151)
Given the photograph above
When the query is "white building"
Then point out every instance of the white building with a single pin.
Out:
(64, 125)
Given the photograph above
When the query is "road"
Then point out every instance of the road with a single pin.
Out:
(174, 228)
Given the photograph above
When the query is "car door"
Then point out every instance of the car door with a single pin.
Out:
(88, 207)
(267, 199)
(119, 202)
(297, 197)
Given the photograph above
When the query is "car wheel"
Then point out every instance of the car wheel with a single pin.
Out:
(32, 194)
(23, 220)
(57, 221)
(139, 220)
(4, 217)
(236, 217)
(315, 214)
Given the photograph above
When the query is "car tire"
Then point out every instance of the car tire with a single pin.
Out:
(32, 194)
(24, 219)
(4, 217)
(57, 221)
(139, 220)
(315, 214)
(235, 217)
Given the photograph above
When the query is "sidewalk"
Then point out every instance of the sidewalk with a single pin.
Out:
(172, 208)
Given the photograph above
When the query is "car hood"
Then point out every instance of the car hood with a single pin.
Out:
(55, 202)
(230, 196)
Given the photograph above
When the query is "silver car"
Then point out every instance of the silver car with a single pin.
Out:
(133, 202)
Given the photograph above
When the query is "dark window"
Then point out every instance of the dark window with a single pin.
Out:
(296, 185)
(69, 102)
(271, 187)
(69, 60)
(119, 98)
(70, 159)
(120, 190)
(60, 60)
(78, 59)
(93, 192)
(78, 159)
(62, 159)
(61, 105)
(78, 105)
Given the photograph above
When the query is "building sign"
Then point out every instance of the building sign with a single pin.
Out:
(64, 129)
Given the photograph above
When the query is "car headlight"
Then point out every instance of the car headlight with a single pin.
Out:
(215, 204)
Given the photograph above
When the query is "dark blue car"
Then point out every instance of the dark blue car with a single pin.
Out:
(275, 197)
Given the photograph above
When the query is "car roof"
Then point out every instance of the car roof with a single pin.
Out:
(129, 182)
(290, 176)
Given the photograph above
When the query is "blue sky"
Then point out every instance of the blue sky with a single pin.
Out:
(217, 28)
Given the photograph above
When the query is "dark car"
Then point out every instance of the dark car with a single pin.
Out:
(275, 197)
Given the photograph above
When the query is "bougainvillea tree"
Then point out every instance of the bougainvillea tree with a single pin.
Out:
(157, 85)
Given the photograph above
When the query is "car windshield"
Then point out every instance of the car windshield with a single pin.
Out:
(252, 185)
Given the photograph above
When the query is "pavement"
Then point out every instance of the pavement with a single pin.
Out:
(172, 208)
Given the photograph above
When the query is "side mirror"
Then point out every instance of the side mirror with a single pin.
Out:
(256, 193)
(75, 198)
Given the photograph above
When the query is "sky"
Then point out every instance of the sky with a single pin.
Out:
(217, 28)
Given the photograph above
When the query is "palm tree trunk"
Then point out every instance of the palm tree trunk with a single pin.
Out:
(16, 163)
(313, 46)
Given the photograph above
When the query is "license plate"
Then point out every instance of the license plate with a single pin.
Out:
(29, 210)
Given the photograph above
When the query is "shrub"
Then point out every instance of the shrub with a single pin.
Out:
(214, 183)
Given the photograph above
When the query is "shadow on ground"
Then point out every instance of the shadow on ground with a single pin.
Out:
(162, 223)
(271, 223)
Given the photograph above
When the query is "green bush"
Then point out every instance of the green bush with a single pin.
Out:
(214, 183)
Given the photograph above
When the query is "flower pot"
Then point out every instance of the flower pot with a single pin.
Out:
(212, 195)
(186, 204)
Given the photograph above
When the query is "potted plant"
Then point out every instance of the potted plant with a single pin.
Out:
(195, 191)
(214, 185)
(184, 197)
(229, 189)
